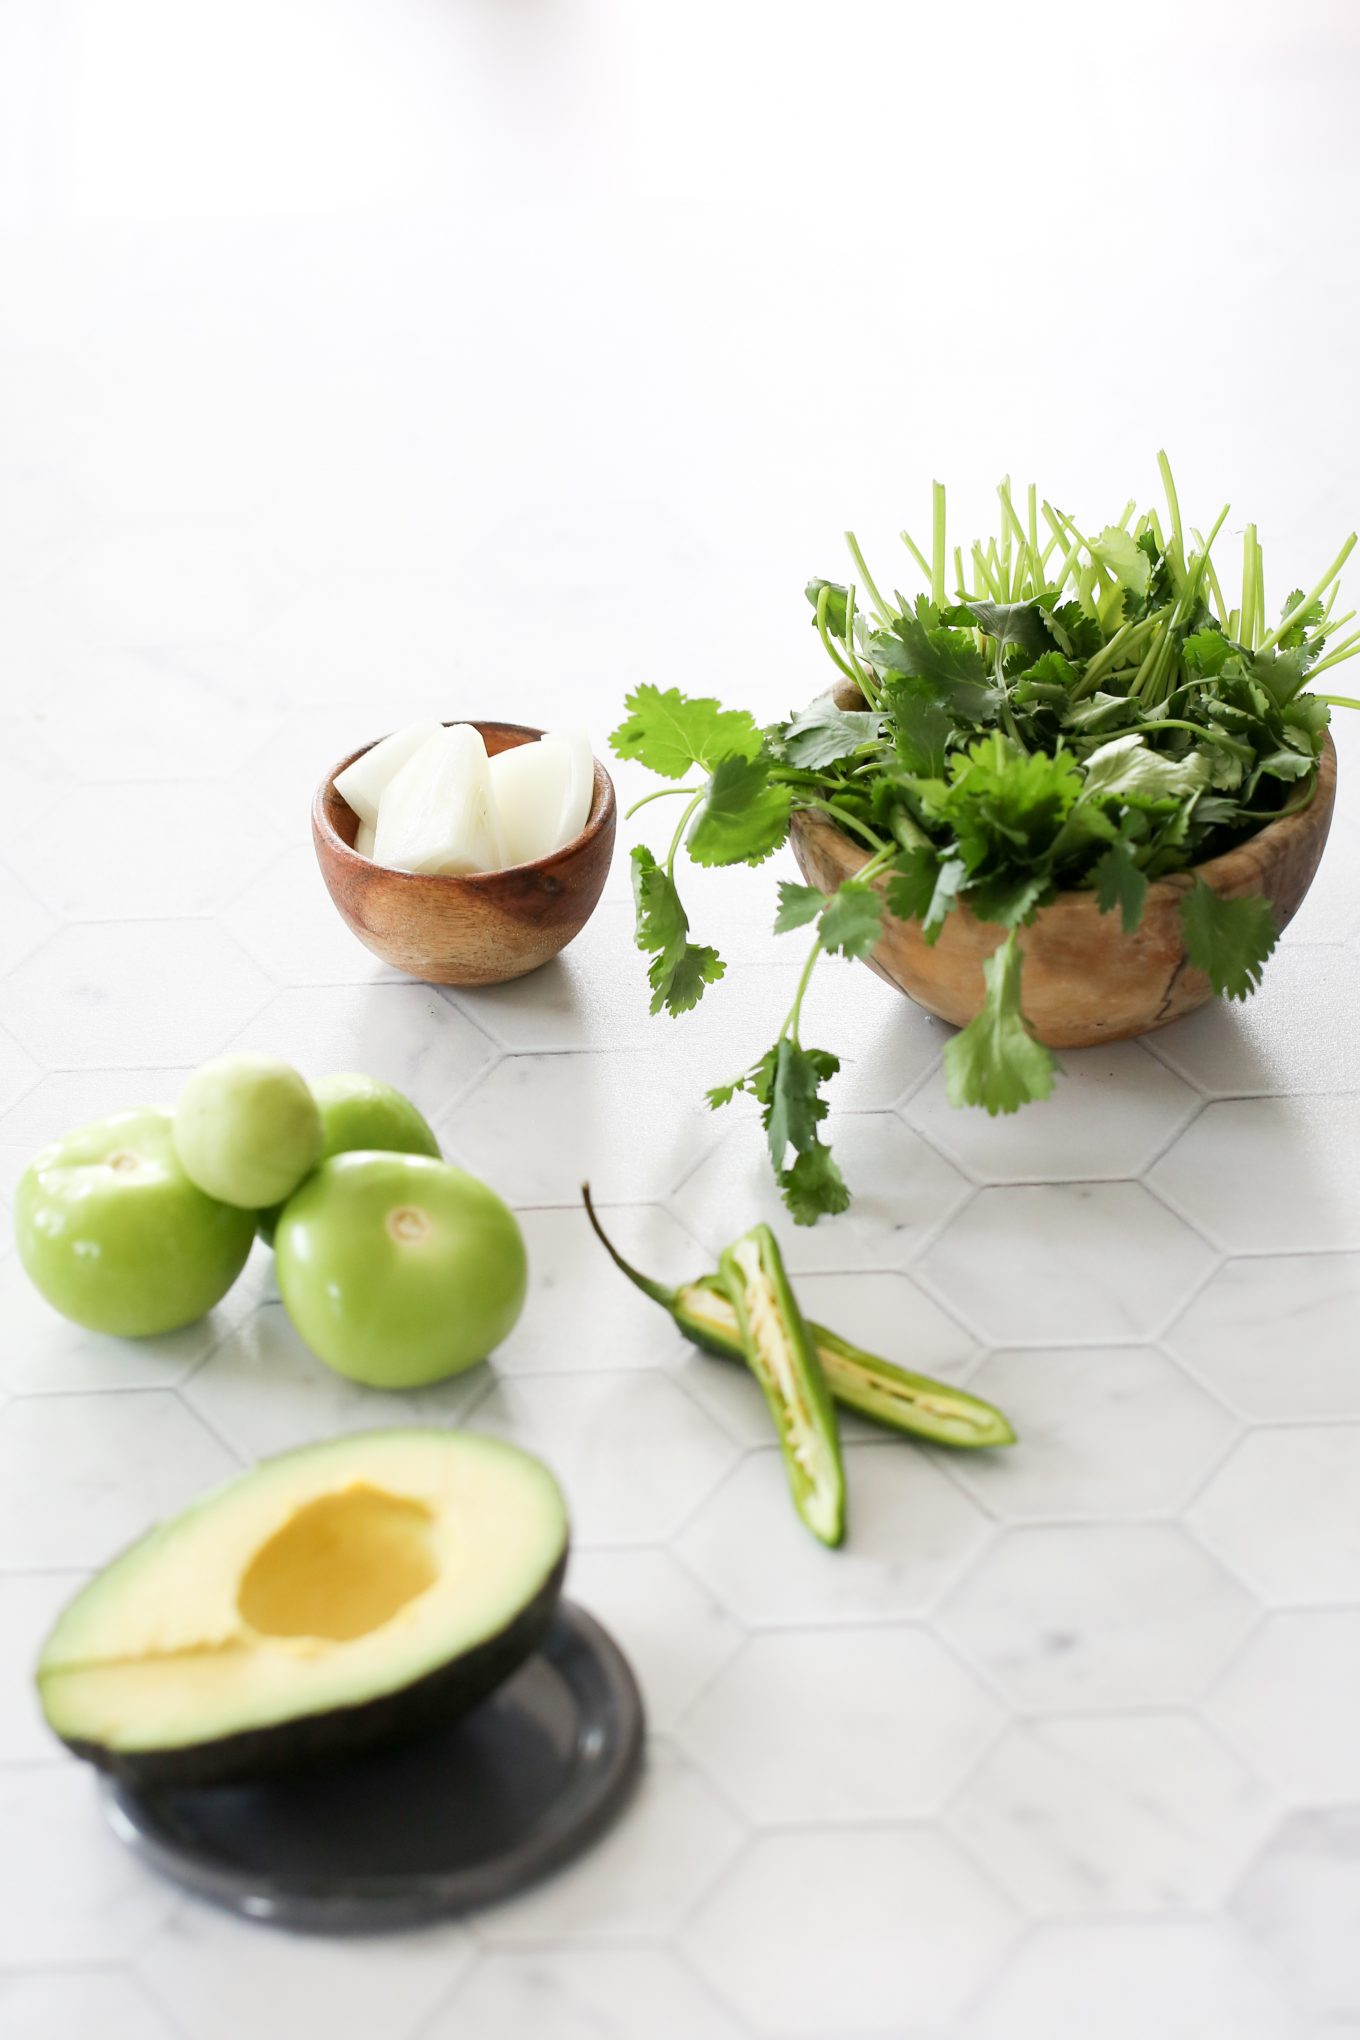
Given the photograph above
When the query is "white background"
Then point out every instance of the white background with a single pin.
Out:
(378, 357)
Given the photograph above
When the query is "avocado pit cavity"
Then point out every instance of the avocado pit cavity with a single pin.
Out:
(344, 1565)
(335, 1599)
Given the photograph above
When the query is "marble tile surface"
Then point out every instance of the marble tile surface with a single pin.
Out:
(49, 2004)
(1180, 1979)
(912, 1918)
(360, 364)
(1088, 1815)
(215, 1976)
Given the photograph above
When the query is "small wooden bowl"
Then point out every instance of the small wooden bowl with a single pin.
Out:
(479, 930)
(1085, 980)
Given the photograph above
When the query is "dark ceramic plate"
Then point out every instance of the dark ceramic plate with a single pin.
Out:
(459, 1819)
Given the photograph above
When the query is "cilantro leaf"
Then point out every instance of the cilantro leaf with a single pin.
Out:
(1207, 652)
(852, 919)
(1284, 763)
(1121, 555)
(795, 1107)
(745, 815)
(1229, 940)
(1306, 712)
(1308, 619)
(1119, 883)
(1015, 623)
(679, 985)
(836, 605)
(814, 1187)
(1074, 632)
(949, 659)
(1008, 897)
(786, 1083)
(679, 969)
(922, 726)
(798, 904)
(1126, 769)
(671, 732)
(1100, 711)
(923, 887)
(1283, 673)
(1002, 801)
(996, 1061)
(1050, 678)
(823, 733)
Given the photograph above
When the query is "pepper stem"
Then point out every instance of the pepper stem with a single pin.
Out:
(656, 1290)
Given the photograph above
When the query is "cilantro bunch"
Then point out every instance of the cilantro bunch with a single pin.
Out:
(1058, 710)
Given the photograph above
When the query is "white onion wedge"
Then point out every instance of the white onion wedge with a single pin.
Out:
(363, 839)
(529, 786)
(543, 794)
(362, 785)
(580, 786)
(437, 815)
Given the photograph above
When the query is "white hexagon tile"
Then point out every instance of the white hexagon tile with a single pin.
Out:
(45, 2005)
(1083, 1815)
(1062, 1744)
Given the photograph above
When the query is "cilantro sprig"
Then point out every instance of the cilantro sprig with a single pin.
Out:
(1055, 710)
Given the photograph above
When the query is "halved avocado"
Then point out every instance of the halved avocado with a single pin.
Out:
(337, 1598)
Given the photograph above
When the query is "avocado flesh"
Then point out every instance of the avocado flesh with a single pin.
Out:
(329, 1601)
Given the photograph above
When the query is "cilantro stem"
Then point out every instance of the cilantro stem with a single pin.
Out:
(1338, 700)
(1219, 602)
(1206, 544)
(795, 1012)
(988, 581)
(937, 549)
(1177, 556)
(910, 543)
(863, 876)
(1269, 642)
(823, 599)
(867, 687)
(885, 615)
(1251, 587)
(1116, 652)
(1028, 565)
(662, 793)
(1007, 711)
(1172, 722)
(1338, 654)
(1004, 551)
(678, 837)
(846, 820)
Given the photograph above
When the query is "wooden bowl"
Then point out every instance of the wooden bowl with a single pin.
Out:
(479, 930)
(1085, 980)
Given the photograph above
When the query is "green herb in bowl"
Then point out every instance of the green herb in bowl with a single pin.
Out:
(1062, 713)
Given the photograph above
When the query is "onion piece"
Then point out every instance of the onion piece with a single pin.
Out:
(438, 815)
(361, 785)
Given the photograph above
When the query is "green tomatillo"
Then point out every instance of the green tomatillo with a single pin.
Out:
(116, 1237)
(247, 1130)
(399, 1270)
(362, 1112)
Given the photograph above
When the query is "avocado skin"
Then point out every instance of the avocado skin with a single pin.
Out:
(314, 1740)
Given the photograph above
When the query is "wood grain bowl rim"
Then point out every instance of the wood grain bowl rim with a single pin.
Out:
(1232, 867)
(601, 817)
